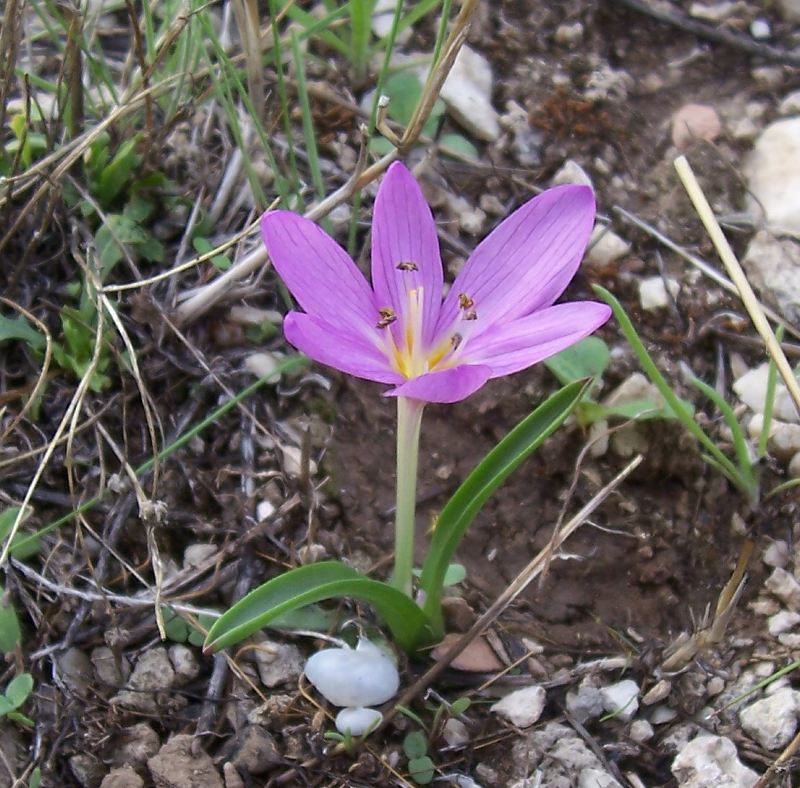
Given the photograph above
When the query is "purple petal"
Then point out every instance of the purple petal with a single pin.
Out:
(338, 348)
(319, 273)
(527, 261)
(404, 234)
(521, 343)
(447, 385)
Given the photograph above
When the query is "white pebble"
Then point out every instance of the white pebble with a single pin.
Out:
(621, 699)
(357, 721)
(522, 707)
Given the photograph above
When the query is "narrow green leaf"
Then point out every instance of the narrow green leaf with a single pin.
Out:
(23, 546)
(473, 493)
(10, 633)
(314, 583)
(20, 328)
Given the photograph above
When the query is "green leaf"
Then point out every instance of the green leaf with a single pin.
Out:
(117, 172)
(30, 545)
(585, 359)
(117, 230)
(35, 779)
(455, 574)
(415, 745)
(421, 770)
(459, 706)
(175, 628)
(490, 473)
(10, 633)
(138, 209)
(20, 328)
(314, 583)
(18, 690)
(457, 143)
(196, 636)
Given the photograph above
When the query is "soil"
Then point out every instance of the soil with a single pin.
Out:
(648, 567)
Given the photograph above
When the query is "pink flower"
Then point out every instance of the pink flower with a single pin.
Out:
(497, 318)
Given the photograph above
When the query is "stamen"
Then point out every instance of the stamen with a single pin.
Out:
(465, 302)
(470, 314)
(456, 340)
(407, 265)
(388, 317)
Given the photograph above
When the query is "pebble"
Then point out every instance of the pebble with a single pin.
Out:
(711, 760)
(176, 766)
(784, 442)
(567, 35)
(772, 721)
(135, 745)
(257, 751)
(522, 707)
(195, 555)
(695, 122)
(357, 721)
(794, 467)
(596, 778)
(467, 92)
(526, 143)
(773, 175)
(606, 83)
(264, 509)
(455, 733)
(785, 587)
(653, 294)
(751, 388)
(606, 247)
(152, 673)
(76, 670)
(383, 19)
(716, 12)
(125, 777)
(641, 731)
(777, 554)
(621, 699)
(658, 692)
(661, 715)
(278, 663)
(715, 685)
(760, 29)
(782, 622)
(634, 388)
(88, 769)
(263, 365)
(773, 267)
(184, 662)
(585, 704)
(293, 462)
(572, 173)
(372, 676)
(477, 657)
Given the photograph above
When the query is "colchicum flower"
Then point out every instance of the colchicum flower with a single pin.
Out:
(497, 318)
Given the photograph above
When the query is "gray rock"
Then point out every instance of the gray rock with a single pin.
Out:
(784, 441)
(135, 746)
(455, 733)
(152, 674)
(785, 587)
(571, 173)
(278, 663)
(124, 777)
(782, 622)
(621, 699)
(184, 662)
(522, 707)
(794, 467)
(176, 766)
(76, 670)
(586, 703)
(773, 268)
(711, 761)
(110, 671)
(88, 769)
(596, 778)
(653, 294)
(641, 731)
(467, 92)
(772, 721)
(773, 175)
(257, 752)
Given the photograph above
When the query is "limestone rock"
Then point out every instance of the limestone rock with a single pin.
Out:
(772, 721)
(621, 699)
(467, 92)
(773, 174)
(711, 761)
(773, 268)
(522, 707)
(278, 663)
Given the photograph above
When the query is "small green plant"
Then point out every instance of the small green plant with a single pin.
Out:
(15, 695)
(179, 630)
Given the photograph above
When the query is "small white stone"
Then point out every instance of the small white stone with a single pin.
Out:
(455, 733)
(773, 174)
(714, 12)
(363, 676)
(790, 104)
(711, 760)
(467, 92)
(621, 699)
(715, 685)
(785, 587)
(606, 247)
(185, 663)
(196, 555)
(653, 293)
(357, 721)
(790, 9)
(772, 721)
(596, 778)
(293, 462)
(585, 704)
(522, 707)
(641, 731)
(694, 122)
(571, 173)
(777, 554)
(760, 29)
(264, 509)
(658, 692)
(794, 467)
(263, 365)
(567, 35)
(784, 442)
(782, 622)
(751, 388)
(634, 388)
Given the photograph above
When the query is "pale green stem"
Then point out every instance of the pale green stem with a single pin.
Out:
(409, 419)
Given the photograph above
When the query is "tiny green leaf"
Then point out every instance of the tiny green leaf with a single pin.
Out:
(18, 690)
(20, 328)
(10, 633)
(459, 706)
(415, 745)
(585, 359)
(421, 770)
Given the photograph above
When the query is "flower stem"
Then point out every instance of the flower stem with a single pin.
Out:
(409, 419)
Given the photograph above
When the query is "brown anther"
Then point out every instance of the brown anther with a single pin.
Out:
(470, 314)
(388, 317)
(455, 340)
(465, 302)
(407, 265)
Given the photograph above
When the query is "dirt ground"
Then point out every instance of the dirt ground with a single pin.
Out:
(648, 567)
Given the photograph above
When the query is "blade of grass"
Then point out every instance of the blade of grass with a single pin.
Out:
(678, 407)
(769, 402)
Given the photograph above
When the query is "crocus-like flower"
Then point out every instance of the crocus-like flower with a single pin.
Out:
(497, 317)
